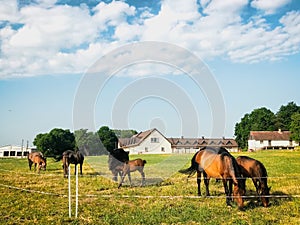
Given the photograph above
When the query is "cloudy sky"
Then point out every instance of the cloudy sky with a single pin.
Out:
(248, 51)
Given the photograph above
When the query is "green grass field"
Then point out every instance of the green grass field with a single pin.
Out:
(168, 197)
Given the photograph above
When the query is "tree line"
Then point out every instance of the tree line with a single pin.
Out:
(58, 140)
(262, 119)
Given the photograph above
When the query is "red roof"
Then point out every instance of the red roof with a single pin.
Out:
(270, 135)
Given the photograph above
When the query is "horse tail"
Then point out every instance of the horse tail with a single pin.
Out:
(144, 162)
(193, 168)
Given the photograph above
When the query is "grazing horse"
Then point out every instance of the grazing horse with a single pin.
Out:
(218, 163)
(116, 160)
(254, 169)
(71, 157)
(37, 158)
(131, 166)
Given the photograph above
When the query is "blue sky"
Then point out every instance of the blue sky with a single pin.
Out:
(249, 49)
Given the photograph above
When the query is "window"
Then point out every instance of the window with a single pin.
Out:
(270, 143)
(19, 153)
(146, 149)
(162, 149)
(154, 140)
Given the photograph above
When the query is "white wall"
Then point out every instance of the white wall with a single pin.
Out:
(255, 145)
(149, 147)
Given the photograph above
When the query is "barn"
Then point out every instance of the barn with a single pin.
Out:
(260, 140)
(154, 142)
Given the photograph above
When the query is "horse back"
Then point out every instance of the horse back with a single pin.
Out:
(31, 156)
(210, 162)
(251, 167)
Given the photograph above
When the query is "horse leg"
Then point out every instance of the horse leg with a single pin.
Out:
(129, 178)
(80, 168)
(30, 163)
(230, 189)
(226, 191)
(199, 182)
(143, 178)
(206, 182)
(39, 168)
(126, 170)
(122, 179)
(34, 166)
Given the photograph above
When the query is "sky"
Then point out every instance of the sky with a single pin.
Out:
(189, 68)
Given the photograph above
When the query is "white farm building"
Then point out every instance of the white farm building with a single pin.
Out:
(259, 140)
(154, 142)
(14, 151)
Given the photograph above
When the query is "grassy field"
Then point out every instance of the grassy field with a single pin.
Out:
(168, 197)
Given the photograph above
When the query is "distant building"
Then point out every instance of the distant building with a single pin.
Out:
(15, 151)
(154, 142)
(259, 140)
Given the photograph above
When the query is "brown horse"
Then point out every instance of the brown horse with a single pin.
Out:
(37, 158)
(131, 166)
(218, 163)
(116, 161)
(255, 170)
(71, 157)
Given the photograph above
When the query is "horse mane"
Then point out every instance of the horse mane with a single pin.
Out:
(117, 157)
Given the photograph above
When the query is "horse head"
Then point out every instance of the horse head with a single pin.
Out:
(264, 193)
(43, 163)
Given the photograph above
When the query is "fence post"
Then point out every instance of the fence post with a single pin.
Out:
(76, 204)
(69, 178)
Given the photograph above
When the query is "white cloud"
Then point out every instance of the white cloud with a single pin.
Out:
(269, 6)
(68, 39)
(8, 10)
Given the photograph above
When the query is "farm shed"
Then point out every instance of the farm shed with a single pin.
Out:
(14, 151)
(259, 140)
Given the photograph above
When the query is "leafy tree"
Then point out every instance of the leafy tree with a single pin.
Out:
(89, 143)
(125, 133)
(284, 115)
(55, 143)
(295, 127)
(242, 130)
(42, 142)
(258, 120)
(108, 138)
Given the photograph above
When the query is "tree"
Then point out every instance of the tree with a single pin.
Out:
(108, 138)
(242, 130)
(284, 115)
(88, 142)
(258, 120)
(295, 127)
(125, 133)
(55, 143)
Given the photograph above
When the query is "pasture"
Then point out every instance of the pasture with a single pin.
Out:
(168, 197)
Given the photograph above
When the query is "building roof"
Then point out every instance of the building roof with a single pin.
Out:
(202, 142)
(137, 138)
(270, 135)
(179, 142)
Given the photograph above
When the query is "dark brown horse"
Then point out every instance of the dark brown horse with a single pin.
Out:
(37, 158)
(255, 170)
(116, 160)
(71, 157)
(218, 163)
(131, 166)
